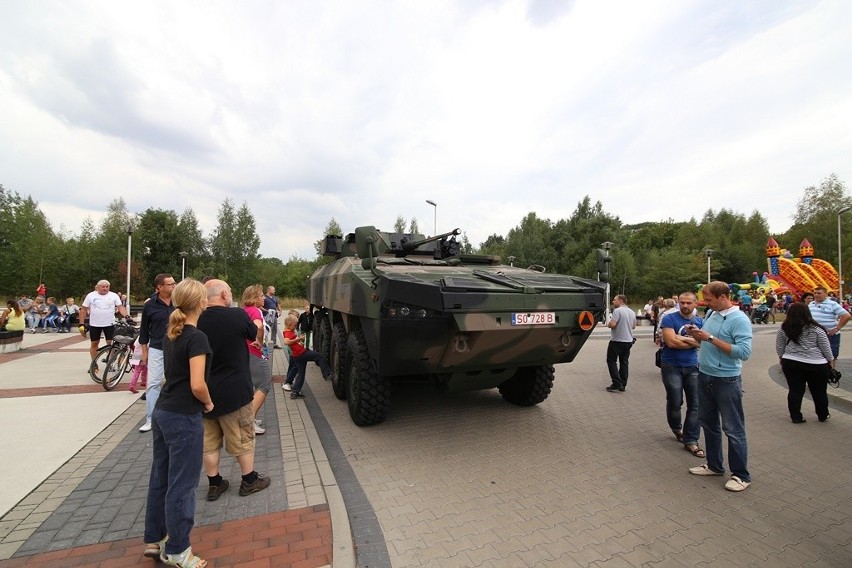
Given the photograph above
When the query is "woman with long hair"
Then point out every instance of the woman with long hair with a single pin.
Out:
(261, 370)
(178, 432)
(13, 318)
(805, 353)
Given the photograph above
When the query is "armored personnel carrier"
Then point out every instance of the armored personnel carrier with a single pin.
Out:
(401, 307)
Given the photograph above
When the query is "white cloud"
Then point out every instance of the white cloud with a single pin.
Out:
(362, 111)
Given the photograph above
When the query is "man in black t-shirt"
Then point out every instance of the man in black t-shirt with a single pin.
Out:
(232, 418)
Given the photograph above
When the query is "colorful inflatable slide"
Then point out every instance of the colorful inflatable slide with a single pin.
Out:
(797, 275)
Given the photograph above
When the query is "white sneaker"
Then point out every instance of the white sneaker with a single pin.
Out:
(703, 469)
(737, 484)
(287, 387)
(258, 430)
(258, 421)
(145, 427)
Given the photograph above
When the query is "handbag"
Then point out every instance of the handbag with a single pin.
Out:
(658, 357)
(834, 377)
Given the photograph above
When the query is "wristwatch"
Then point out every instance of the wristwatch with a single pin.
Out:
(710, 338)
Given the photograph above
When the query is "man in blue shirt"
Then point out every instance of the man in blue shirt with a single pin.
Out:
(830, 315)
(726, 343)
(680, 371)
(155, 320)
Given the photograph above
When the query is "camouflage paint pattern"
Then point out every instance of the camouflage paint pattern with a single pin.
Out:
(450, 318)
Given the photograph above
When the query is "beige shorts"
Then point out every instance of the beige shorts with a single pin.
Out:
(235, 428)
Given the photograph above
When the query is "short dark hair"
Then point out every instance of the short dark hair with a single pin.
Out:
(160, 278)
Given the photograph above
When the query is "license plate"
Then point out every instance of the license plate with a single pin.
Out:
(534, 318)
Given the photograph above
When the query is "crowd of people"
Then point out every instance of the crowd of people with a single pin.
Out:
(207, 375)
(700, 360)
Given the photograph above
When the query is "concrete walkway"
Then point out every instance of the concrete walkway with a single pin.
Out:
(75, 472)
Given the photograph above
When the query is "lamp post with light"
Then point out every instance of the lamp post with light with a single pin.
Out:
(130, 228)
(182, 264)
(435, 222)
(840, 256)
(607, 246)
(709, 252)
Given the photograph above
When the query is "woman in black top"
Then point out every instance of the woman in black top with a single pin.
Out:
(178, 431)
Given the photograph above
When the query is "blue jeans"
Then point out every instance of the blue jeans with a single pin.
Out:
(722, 398)
(834, 341)
(680, 381)
(301, 362)
(178, 442)
(156, 373)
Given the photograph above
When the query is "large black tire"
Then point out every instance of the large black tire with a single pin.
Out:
(116, 366)
(339, 360)
(367, 393)
(322, 339)
(529, 385)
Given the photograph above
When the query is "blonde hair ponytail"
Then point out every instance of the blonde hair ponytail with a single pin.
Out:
(187, 298)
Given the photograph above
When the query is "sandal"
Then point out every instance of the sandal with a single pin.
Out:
(695, 450)
(153, 549)
(679, 435)
(185, 559)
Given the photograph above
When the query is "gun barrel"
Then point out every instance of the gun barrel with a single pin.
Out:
(411, 245)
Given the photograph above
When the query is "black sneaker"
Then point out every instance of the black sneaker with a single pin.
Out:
(614, 388)
(295, 394)
(215, 491)
(261, 483)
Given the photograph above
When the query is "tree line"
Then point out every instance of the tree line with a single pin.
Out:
(649, 259)
(668, 257)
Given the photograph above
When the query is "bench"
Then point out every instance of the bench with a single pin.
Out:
(10, 341)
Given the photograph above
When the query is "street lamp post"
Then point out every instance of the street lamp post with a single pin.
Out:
(130, 229)
(606, 246)
(435, 223)
(840, 255)
(709, 252)
(182, 264)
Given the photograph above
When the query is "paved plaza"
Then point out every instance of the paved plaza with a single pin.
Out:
(587, 478)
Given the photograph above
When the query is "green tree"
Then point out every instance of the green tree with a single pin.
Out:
(234, 244)
(816, 220)
(399, 224)
(413, 227)
(198, 259)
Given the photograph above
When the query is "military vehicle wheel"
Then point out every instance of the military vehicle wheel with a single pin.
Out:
(322, 341)
(529, 386)
(338, 360)
(367, 393)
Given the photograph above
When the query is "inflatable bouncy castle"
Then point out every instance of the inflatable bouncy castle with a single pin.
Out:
(801, 274)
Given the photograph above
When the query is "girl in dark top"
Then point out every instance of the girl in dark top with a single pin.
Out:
(178, 432)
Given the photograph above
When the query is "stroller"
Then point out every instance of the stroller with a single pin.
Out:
(760, 314)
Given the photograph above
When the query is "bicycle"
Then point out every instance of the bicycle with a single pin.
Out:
(115, 357)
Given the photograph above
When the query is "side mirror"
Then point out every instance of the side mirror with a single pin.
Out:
(365, 242)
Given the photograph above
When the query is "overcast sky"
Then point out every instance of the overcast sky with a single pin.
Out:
(362, 110)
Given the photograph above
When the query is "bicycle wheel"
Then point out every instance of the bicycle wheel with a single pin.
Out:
(98, 365)
(116, 367)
